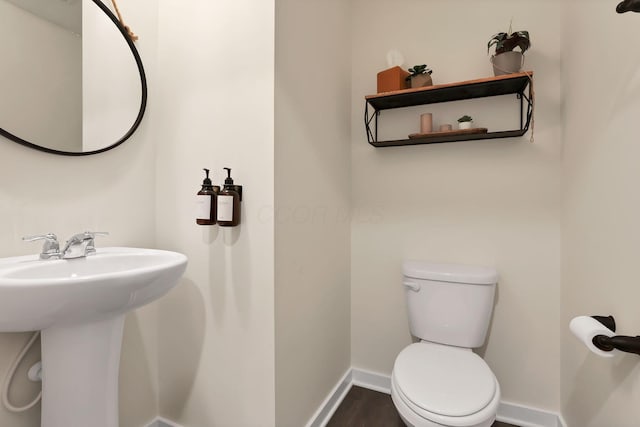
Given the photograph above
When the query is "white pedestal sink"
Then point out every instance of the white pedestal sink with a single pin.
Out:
(79, 305)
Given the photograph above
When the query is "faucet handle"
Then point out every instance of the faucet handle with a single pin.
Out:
(51, 247)
(48, 237)
(90, 235)
(85, 235)
(96, 233)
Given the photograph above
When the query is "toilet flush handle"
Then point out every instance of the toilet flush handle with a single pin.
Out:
(413, 286)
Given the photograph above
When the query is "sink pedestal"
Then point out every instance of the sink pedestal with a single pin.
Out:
(80, 374)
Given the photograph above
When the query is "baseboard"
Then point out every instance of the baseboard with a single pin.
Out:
(371, 380)
(162, 422)
(332, 401)
(561, 422)
(508, 412)
(525, 416)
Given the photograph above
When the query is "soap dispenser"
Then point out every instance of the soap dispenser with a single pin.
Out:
(229, 203)
(206, 202)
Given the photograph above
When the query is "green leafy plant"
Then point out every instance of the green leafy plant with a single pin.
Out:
(465, 118)
(505, 42)
(416, 70)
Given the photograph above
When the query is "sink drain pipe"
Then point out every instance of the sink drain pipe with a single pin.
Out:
(9, 378)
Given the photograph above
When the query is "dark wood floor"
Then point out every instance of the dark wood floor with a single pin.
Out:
(367, 408)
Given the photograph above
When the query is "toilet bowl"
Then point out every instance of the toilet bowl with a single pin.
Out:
(433, 385)
(439, 381)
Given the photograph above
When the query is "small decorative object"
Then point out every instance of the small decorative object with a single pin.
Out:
(446, 128)
(426, 122)
(505, 59)
(465, 122)
(394, 78)
(420, 76)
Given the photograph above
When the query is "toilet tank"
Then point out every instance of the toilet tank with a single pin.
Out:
(449, 304)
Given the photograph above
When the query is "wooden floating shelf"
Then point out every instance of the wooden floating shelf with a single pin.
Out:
(507, 84)
(436, 139)
(456, 132)
(479, 88)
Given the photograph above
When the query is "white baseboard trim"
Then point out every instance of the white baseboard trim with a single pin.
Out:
(371, 380)
(332, 401)
(511, 413)
(525, 416)
(162, 422)
(561, 422)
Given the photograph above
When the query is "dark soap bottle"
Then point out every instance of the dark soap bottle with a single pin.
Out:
(228, 201)
(206, 202)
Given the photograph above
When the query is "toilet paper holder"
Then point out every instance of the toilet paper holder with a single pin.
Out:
(619, 342)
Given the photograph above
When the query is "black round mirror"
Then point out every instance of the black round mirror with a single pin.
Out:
(72, 82)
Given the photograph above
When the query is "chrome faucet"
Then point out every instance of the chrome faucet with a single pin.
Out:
(80, 245)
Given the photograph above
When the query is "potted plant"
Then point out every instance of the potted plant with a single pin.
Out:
(506, 60)
(420, 76)
(465, 122)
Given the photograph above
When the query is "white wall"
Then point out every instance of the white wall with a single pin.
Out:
(491, 202)
(601, 209)
(215, 109)
(312, 204)
(139, 391)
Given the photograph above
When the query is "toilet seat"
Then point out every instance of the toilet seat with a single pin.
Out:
(438, 385)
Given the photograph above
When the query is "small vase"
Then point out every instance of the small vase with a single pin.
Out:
(507, 63)
(465, 125)
(426, 122)
(421, 80)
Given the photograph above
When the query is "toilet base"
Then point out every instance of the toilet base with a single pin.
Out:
(411, 419)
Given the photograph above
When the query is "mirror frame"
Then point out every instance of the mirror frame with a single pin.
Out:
(143, 103)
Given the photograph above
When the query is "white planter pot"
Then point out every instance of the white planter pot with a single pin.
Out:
(465, 125)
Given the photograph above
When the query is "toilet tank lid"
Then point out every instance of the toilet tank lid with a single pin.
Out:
(455, 273)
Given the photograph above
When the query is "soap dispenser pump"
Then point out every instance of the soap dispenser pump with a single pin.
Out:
(229, 203)
(206, 202)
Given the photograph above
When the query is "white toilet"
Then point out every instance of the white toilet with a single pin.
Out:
(439, 381)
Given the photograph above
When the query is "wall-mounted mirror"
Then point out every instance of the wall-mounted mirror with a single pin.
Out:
(72, 81)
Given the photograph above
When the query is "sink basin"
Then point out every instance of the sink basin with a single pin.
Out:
(79, 305)
(38, 294)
